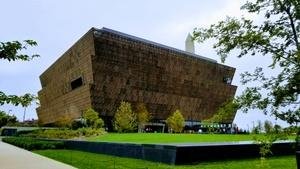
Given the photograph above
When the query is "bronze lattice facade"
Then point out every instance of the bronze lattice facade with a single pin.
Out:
(106, 67)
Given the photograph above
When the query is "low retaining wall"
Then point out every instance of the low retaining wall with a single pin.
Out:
(157, 153)
(220, 151)
(180, 153)
(116, 149)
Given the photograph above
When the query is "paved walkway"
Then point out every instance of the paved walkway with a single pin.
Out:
(12, 157)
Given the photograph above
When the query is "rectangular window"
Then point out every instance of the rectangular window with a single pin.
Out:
(76, 83)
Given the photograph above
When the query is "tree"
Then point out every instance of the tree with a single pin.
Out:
(125, 120)
(25, 104)
(277, 129)
(143, 116)
(92, 118)
(268, 127)
(7, 119)
(176, 121)
(258, 128)
(10, 51)
(277, 36)
(17, 100)
(224, 113)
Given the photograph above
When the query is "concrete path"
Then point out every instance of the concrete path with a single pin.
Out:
(12, 157)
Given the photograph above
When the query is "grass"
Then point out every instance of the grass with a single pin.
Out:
(85, 160)
(155, 138)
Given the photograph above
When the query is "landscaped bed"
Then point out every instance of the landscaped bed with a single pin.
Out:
(85, 160)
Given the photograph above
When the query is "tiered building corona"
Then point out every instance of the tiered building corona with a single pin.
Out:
(106, 67)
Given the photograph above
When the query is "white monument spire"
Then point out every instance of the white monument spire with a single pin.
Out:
(189, 44)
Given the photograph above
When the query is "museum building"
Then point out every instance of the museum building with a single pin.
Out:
(105, 67)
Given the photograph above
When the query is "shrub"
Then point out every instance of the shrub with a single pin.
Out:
(87, 132)
(76, 124)
(65, 121)
(266, 140)
(99, 123)
(64, 133)
(34, 144)
(92, 118)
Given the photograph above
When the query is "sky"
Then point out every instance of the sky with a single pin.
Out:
(56, 25)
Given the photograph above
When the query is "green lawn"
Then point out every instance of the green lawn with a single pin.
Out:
(155, 138)
(84, 160)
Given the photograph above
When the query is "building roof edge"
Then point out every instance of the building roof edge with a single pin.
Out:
(104, 29)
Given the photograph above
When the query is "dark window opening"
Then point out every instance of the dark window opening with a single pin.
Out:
(227, 80)
(76, 83)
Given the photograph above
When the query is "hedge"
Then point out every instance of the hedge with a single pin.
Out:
(33, 144)
(62, 133)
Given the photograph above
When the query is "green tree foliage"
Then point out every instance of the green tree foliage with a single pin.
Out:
(24, 100)
(277, 36)
(125, 119)
(99, 123)
(7, 119)
(143, 116)
(10, 51)
(224, 113)
(92, 119)
(277, 128)
(258, 128)
(176, 121)
(268, 126)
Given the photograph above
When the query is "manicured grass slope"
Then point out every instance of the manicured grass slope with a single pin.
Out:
(84, 160)
(152, 138)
